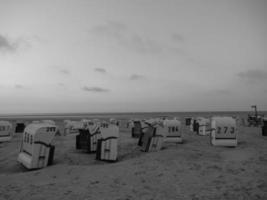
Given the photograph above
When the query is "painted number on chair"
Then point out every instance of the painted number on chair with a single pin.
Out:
(225, 130)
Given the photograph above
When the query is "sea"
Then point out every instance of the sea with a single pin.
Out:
(128, 115)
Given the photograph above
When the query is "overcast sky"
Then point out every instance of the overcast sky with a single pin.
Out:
(119, 56)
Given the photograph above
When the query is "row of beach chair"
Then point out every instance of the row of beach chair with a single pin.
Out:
(99, 137)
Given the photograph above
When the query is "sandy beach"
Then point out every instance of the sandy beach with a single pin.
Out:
(192, 170)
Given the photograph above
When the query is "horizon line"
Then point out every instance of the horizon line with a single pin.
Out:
(122, 112)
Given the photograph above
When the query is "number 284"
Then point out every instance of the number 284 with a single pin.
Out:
(225, 130)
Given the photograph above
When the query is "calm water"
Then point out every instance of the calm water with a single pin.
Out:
(123, 115)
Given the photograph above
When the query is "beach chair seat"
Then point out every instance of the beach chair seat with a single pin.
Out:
(87, 138)
(83, 140)
(37, 150)
(188, 121)
(195, 125)
(107, 145)
(5, 131)
(20, 126)
(223, 131)
(137, 128)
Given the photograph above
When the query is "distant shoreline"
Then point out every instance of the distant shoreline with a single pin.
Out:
(119, 114)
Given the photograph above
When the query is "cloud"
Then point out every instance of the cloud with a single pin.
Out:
(123, 36)
(18, 86)
(221, 92)
(177, 37)
(61, 84)
(136, 77)
(6, 45)
(100, 70)
(64, 71)
(253, 75)
(143, 45)
(94, 89)
(110, 29)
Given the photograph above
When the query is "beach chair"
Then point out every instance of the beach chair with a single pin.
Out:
(107, 145)
(191, 126)
(264, 127)
(130, 124)
(72, 127)
(5, 131)
(137, 128)
(195, 125)
(67, 126)
(203, 124)
(88, 137)
(85, 122)
(114, 121)
(37, 150)
(188, 121)
(223, 131)
(173, 133)
(152, 136)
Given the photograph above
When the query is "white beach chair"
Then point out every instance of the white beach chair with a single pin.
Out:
(72, 127)
(173, 133)
(114, 121)
(152, 136)
(37, 150)
(223, 131)
(188, 121)
(203, 124)
(5, 131)
(107, 145)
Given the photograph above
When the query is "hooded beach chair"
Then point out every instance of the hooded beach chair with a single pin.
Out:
(107, 145)
(114, 121)
(72, 127)
(152, 136)
(85, 122)
(67, 126)
(5, 131)
(87, 138)
(129, 124)
(36, 149)
(203, 124)
(137, 128)
(173, 133)
(188, 121)
(223, 131)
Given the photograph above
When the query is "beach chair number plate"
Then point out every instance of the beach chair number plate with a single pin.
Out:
(173, 129)
(225, 130)
(48, 129)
